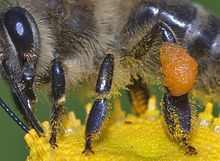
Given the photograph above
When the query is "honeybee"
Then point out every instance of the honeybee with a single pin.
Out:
(108, 44)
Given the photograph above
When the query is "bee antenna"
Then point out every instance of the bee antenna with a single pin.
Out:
(14, 117)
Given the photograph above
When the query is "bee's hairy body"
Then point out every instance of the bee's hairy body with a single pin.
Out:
(127, 34)
(83, 31)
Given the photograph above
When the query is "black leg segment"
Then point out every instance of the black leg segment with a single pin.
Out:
(95, 120)
(104, 81)
(99, 109)
(96, 115)
(58, 98)
(177, 115)
(58, 80)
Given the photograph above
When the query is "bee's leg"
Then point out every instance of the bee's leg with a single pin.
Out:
(176, 109)
(99, 109)
(58, 98)
(177, 115)
(139, 95)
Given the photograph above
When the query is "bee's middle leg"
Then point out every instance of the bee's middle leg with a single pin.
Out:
(99, 109)
(58, 98)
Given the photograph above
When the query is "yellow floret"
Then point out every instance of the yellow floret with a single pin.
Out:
(126, 138)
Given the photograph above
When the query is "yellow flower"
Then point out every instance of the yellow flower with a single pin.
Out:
(128, 138)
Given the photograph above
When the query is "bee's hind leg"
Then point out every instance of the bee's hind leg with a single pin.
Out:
(100, 108)
(177, 112)
(58, 98)
(177, 115)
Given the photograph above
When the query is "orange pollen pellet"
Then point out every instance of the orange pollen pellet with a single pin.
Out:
(178, 67)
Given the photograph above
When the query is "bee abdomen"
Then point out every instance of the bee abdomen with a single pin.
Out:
(202, 37)
(139, 95)
(194, 28)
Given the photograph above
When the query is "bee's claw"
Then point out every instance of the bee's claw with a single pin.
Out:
(52, 142)
(87, 151)
(191, 151)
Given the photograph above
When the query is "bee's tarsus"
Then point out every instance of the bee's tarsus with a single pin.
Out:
(52, 142)
(88, 151)
(177, 111)
(88, 148)
(191, 151)
(177, 115)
